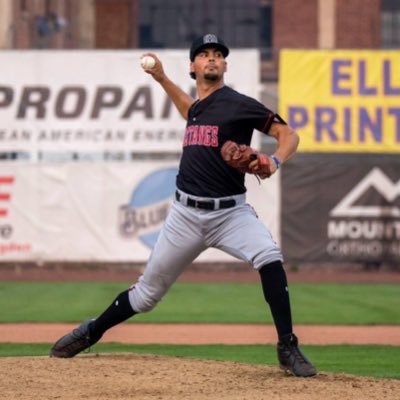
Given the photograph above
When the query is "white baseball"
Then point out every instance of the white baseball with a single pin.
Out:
(147, 62)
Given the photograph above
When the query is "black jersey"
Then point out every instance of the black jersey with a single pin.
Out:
(223, 115)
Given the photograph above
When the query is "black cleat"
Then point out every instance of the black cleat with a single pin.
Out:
(291, 358)
(74, 342)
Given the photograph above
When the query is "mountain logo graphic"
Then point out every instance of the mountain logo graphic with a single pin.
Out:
(374, 180)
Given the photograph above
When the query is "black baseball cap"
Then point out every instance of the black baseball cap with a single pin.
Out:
(209, 40)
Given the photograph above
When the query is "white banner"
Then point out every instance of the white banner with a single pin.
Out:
(60, 108)
(108, 212)
(99, 101)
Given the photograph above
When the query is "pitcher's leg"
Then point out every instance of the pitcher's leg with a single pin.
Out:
(246, 237)
(242, 235)
(179, 243)
(276, 294)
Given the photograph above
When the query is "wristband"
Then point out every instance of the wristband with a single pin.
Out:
(276, 161)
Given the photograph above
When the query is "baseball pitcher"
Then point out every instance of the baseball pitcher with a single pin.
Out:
(210, 209)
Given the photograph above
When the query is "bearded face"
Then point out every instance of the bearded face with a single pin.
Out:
(209, 64)
(211, 76)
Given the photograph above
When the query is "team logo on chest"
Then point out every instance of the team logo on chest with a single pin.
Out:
(203, 135)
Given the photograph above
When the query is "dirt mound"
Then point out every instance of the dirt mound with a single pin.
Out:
(124, 376)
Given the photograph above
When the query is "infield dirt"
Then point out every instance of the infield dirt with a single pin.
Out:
(122, 376)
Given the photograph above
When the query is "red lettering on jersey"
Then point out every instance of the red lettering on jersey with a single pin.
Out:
(214, 136)
(193, 139)
(207, 130)
(185, 138)
(190, 135)
(203, 135)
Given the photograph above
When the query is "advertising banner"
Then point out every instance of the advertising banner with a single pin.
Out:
(92, 103)
(89, 148)
(99, 211)
(342, 100)
(341, 208)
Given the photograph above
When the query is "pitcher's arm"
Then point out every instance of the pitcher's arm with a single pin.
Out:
(181, 99)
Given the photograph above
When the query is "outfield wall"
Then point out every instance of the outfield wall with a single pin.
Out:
(89, 150)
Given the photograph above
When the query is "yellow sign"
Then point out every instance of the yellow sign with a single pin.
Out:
(342, 100)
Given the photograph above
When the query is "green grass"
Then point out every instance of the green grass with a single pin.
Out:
(201, 303)
(218, 303)
(376, 361)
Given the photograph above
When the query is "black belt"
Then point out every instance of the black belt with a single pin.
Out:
(207, 204)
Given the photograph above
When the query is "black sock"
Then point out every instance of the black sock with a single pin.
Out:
(119, 311)
(276, 294)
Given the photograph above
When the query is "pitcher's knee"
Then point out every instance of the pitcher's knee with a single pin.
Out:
(266, 257)
(144, 297)
(140, 301)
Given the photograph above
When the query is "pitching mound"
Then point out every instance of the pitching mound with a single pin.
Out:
(124, 376)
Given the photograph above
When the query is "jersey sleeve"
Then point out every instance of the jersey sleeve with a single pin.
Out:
(257, 115)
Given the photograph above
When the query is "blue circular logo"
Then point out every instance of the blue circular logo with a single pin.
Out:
(150, 202)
